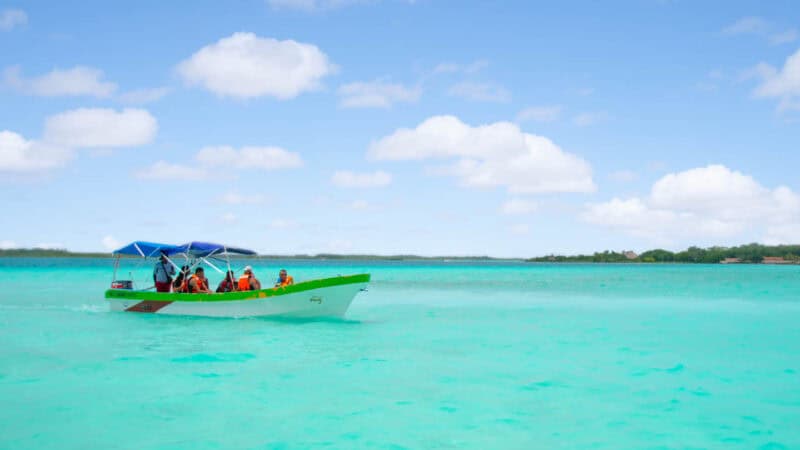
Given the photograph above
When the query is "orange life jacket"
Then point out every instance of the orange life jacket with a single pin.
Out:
(244, 282)
(200, 284)
(289, 280)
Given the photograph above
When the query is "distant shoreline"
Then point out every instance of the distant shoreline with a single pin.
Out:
(46, 253)
(744, 254)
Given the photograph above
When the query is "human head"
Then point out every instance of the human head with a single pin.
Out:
(282, 274)
(198, 271)
(163, 257)
(248, 269)
(184, 269)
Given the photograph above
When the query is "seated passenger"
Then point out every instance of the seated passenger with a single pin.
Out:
(227, 285)
(248, 281)
(284, 279)
(198, 282)
(181, 281)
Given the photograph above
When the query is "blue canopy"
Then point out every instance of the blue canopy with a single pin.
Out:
(147, 249)
(199, 249)
(195, 249)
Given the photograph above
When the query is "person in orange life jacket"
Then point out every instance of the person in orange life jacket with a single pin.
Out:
(248, 281)
(284, 279)
(198, 282)
(228, 284)
(162, 274)
(181, 281)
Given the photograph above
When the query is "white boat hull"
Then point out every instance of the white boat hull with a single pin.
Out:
(328, 301)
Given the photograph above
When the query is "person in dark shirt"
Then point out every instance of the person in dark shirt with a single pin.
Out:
(228, 284)
(179, 285)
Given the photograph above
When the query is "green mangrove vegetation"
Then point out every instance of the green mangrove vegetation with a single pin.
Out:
(750, 253)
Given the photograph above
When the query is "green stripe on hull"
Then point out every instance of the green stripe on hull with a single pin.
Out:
(123, 294)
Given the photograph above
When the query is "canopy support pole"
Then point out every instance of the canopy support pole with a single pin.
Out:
(116, 266)
(171, 262)
(212, 265)
(227, 261)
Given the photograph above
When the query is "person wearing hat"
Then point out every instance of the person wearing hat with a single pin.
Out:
(248, 281)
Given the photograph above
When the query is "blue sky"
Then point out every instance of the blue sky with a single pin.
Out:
(427, 127)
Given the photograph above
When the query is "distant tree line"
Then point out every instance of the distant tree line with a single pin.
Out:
(750, 253)
(61, 253)
(45, 252)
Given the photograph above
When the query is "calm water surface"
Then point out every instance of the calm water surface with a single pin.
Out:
(462, 355)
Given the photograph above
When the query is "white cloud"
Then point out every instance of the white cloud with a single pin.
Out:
(498, 154)
(244, 65)
(590, 118)
(97, 127)
(70, 130)
(783, 84)
(18, 154)
(783, 234)
(348, 179)
(339, 246)
(229, 218)
(480, 92)
(711, 189)
(282, 224)
(162, 170)
(760, 27)
(784, 37)
(10, 18)
(8, 245)
(110, 243)
(540, 114)
(359, 205)
(520, 229)
(219, 161)
(376, 94)
(234, 198)
(624, 176)
(746, 25)
(451, 67)
(76, 81)
(519, 206)
(711, 202)
(446, 67)
(142, 96)
(313, 5)
(264, 158)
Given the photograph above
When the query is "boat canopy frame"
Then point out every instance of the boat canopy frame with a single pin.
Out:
(194, 253)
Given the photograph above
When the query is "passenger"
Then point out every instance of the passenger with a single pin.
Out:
(181, 281)
(198, 282)
(162, 274)
(248, 281)
(284, 279)
(227, 285)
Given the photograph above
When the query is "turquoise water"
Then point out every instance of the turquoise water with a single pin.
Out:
(459, 355)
